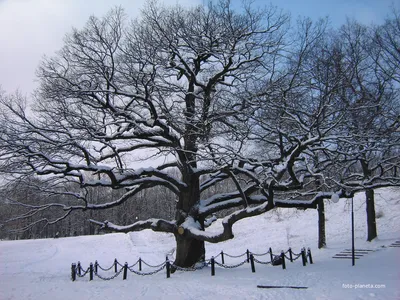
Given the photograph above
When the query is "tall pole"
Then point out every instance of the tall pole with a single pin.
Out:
(352, 233)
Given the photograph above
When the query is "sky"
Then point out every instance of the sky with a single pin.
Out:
(30, 29)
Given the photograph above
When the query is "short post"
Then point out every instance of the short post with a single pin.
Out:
(73, 272)
(115, 265)
(290, 255)
(95, 267)
(303, 257)
(248, 255)
(125, 271)
(91, 271)
(168, 267)
(270, 254)
(79, 268)
(283, 260)
(253, 268)
(222, 257)
(212, 266)
(305, 254)
(140, 264)
(309, 256)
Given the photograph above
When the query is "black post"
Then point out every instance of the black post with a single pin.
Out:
(212, 266)
(248, 255)
(91, 271)
(253, 268)
(79, 268)
(283, 260)
(353, 259)
(168, 267)
(305, 254)
(309, 256)
(140, 264)
(125, 271)
(270, 254)
(303, 257)
(73, 272)
(115, 265)
(95, 267)
(222, 257)
(290, 255)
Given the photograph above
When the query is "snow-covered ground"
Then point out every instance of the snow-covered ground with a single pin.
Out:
(40, 269)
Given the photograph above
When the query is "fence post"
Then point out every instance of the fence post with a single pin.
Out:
(253, 268)
(309, 256)
(303, 257)
(115, 265)
(79, 268)
(95, 267)
(168, 267)
(140, 264)
(270, 254)
(290, 255)
(305, 254)
(73, 272)
(125, 271)
(222, 257)
(91, 271)
(283, 260)
(212, 266)
(248, 255)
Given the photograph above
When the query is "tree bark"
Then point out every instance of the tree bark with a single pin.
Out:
(321, 224)
(188, 251)
(371, 220)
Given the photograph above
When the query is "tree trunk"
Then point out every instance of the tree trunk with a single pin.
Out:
(371, 220)
(321, 224)
(188, 251)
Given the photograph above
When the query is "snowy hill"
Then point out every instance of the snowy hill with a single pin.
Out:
(40, 269)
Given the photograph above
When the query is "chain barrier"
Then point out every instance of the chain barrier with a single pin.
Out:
(148, 273)
(151, 266)
(234, 256)
(262, 262)
(232, 266)
(109, 278)
(78, 270)
(261, 254)
(108, 269)
(82, 275)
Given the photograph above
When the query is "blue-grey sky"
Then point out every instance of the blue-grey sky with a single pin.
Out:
(30, 29)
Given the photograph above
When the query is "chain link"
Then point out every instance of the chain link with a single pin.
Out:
(262, 254)
(151, 266)
(109, 278)
(235, 256)
(262, 262)
(148, 273)
(108, 269)
(232, 266)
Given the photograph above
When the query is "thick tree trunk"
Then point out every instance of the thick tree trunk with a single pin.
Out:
(371, 220)
(321, 224)
(188, 252)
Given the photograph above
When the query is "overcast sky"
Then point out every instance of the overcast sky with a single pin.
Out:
(30, 29)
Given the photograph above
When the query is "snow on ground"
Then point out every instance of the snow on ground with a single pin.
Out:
(40, 269)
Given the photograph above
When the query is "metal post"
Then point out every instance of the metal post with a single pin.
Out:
(270, 254)
(115, 265)
(125, 271)
(248, 255)
(168, 267)
(309, 256)
(140, 264)
(253, 268)
(290, 255)
(79, 268)
(212, 266)
(222, 257)
(91, 271)
(73, 272)
(283, 260)
(95, 267)
(353, 259)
